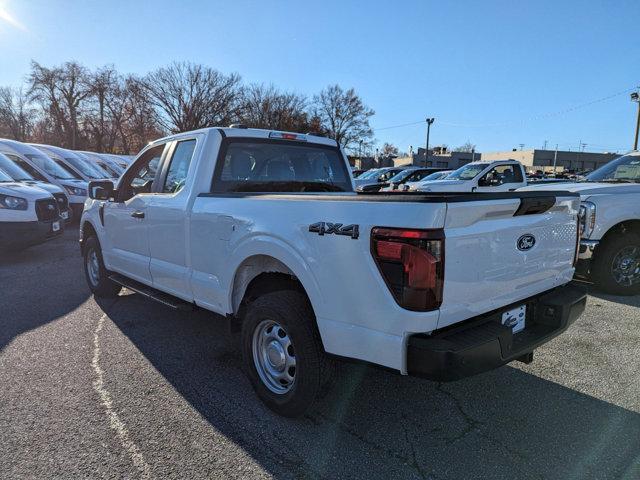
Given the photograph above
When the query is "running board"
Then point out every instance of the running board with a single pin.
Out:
(152, 293)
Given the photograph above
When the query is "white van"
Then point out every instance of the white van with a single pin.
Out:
(28, 215)
(18, 174)
(69, 160)
(76, 189)
(106, 164)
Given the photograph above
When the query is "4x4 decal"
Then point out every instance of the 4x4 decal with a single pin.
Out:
(326, 228)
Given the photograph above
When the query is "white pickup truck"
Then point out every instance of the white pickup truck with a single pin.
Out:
(494, 176)
(266, 229)
(610, 216)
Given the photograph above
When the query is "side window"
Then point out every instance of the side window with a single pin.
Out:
(503, 174)
(140, 178)
(179, 166)
(27, 167)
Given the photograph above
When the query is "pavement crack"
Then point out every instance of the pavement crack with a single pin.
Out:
(106, 400)
(472, 425)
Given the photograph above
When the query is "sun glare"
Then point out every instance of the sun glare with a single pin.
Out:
(8, 18)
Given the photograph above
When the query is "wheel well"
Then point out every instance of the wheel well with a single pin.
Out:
(87, 231)
(628, 226)
(258, 275)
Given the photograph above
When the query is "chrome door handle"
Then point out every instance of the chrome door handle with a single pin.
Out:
(137, 214)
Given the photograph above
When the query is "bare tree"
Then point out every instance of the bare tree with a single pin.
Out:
(17, 116)
(140, 123)
(467, 147)
(389, 150)
(267, 107)
(60, 90)
(344, 116)
(190, 96)
(100, 125)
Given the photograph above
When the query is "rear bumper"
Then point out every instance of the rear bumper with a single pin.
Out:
(26, 234)
(483, 343)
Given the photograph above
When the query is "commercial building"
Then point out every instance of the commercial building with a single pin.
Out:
(439, 157)
(544, 159)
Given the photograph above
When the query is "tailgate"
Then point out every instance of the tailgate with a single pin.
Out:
(498, 252)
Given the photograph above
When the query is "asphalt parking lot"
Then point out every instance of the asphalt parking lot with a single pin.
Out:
(131, 389)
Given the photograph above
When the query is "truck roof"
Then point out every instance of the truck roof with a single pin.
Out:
(241, 131)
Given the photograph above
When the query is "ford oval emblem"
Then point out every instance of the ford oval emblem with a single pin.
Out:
(526, 242)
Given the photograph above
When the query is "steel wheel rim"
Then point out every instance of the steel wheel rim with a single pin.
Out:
(625, 267)
(93, 267)
(274, 356)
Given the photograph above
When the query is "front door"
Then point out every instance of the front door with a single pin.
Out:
(126, 221)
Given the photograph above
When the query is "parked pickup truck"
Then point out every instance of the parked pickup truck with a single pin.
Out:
(496, 176)
(266, 229)
(610, 216)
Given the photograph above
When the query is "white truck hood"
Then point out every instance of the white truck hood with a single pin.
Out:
(49, 187)
(21, 190)
(445, 186)
(586, 189)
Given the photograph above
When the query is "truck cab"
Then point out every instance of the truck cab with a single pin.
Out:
(494, 176)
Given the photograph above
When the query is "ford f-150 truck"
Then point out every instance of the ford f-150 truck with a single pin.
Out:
(610, 216)
(494, 176)
(266, 229)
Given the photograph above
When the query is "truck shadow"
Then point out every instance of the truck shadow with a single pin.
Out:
(376, 424)
(39, 285)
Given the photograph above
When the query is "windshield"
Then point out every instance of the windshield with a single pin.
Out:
(26, 166)
(85, 168)
(368, 174)
(13, 170)
(623, 169)
(49, 166)
(4, 177)
(436, 176)
(467, 172)
(400, 176)
(107, 168)
(69, 169)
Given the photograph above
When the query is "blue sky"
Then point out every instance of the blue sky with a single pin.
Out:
(496, 73)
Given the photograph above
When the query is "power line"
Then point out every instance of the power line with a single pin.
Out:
(520, 122)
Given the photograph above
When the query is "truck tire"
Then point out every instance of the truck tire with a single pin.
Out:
(616, 267)
(283, 354)
(95, 271)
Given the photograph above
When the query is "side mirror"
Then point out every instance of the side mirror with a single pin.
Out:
(101, 189)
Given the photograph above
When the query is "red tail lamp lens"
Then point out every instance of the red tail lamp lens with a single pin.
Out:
(412, 264)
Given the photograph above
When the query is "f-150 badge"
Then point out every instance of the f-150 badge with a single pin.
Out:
(326, 228)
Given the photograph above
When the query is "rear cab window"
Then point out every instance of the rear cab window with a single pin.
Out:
(256, 165)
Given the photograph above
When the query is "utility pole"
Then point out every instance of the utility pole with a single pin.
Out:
(544, 147)
(555, 160)
(360, 153)
(635, 97)
(521, 146)
(426, 152)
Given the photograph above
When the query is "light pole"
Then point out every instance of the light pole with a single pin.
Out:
(635, 97)
(426, 151)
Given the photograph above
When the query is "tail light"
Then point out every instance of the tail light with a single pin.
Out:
(411, 263)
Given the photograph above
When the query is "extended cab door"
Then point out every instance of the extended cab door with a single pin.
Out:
(125, 219)
(167, 219)
(502, 178)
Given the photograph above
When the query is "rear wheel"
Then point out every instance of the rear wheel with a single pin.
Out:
(283, 354)
(616, 267)
(95, 272)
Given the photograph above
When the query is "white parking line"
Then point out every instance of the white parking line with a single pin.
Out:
(114, 420)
